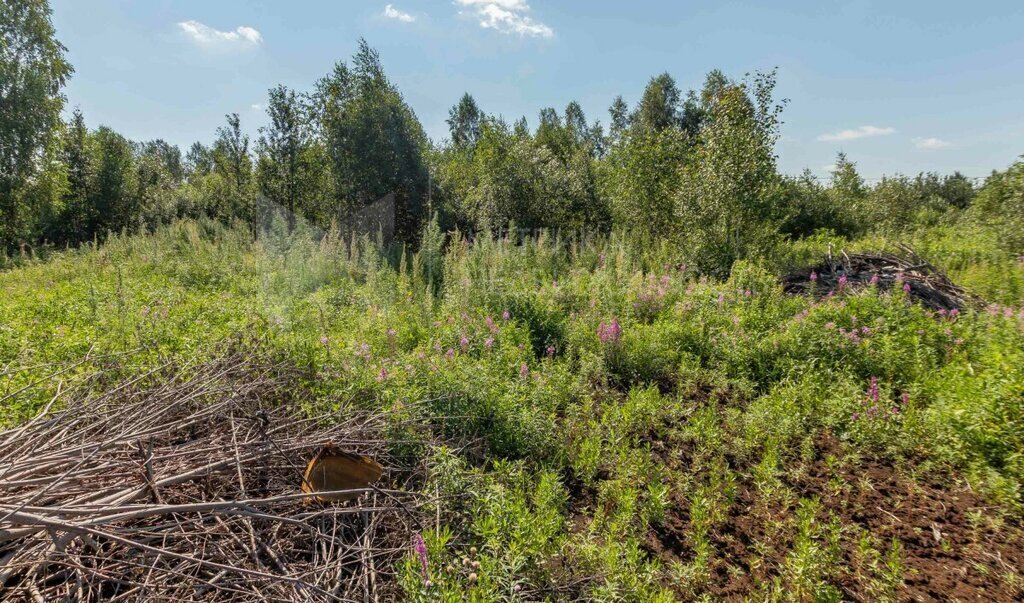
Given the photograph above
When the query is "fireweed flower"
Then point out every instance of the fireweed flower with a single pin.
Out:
(609, 333)
(489, 343)
(324, 340)
(505, 315)
(449, 354)
(382, 375)
(524, 371)
(550, 351)
(842, 282)
(872, 389)
(906, 287)
(874, 279)
(814, 276)
(464, 343)
(420, 547)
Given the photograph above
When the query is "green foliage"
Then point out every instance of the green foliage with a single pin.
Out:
(33, 72)
(730, 193)
(374, 142)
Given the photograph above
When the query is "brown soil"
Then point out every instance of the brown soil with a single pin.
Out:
(946, 556)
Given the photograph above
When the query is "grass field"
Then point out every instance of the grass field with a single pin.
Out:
(596, 422)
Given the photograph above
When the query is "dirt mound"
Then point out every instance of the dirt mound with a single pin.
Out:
(855, 271)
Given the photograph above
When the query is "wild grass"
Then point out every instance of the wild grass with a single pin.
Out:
(559, 372)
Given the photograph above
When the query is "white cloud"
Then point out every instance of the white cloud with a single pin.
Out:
(830, 168)
(204, 35)
(931, 144)
(861, 132)
(393, 13)
(256, 107)
(507, 16)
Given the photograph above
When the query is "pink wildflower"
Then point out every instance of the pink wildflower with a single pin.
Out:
(873, 389)
(421, 551)
(506, 316)
(524, 371)
(814, 276)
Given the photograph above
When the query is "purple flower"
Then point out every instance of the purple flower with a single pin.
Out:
(814, 276)
(449, 354)
(550, 351)
(464, 343)
(906, 287)
(421, 551)
(873, 389)
(609, 333)
(505, 315)
(324, 340)
(391, 333)
(904, 398)
(382, 375)
(842, 282)
(489, 343)
(830, 325)
(874, 279)
(524, 371)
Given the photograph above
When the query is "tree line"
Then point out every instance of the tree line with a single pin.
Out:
(696, 168)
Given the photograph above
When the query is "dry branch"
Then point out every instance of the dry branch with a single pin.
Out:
(853, 271)
(186, 486)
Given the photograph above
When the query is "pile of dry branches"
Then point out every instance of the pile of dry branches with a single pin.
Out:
(189, 489)
(852, 271)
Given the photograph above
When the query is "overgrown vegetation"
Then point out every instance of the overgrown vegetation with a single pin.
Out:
(621, 404)
(610, 415)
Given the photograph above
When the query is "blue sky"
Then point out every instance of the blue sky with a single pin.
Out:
(901, 86)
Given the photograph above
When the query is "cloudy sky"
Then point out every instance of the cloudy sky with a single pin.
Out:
(902, 86)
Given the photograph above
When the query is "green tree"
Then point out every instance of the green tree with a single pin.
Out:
(619, 122)
(228, 190)
(730, 197)
(660, 106)
(375, 143)
(464, 121)
(113, 192)
(33, 72)
(77, 156)
(289, 167)
(640, 176)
